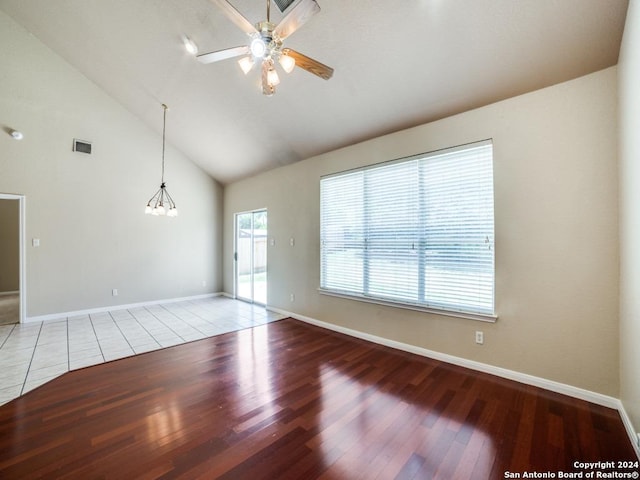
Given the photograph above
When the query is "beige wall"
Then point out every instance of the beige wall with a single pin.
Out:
(9, 245)
(629, 98)
(86, 210)
(556, 220)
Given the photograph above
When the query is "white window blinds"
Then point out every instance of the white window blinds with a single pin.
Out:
(417, 231)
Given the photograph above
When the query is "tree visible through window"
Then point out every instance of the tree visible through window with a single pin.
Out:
(416, 231)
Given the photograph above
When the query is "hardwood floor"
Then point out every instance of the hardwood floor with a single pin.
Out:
(287, 400)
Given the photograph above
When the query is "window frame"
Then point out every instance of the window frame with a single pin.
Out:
(420, 263)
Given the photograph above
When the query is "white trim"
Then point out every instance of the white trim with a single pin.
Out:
(23, 259)
(22, 250)
(527, 379)
(481, 317)
(633, 436)
(228, 295)
(235, 254)
(57, 316)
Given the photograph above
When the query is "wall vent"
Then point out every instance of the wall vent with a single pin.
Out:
(283, 4)
(81, 146)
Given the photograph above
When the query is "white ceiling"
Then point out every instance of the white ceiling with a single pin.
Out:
(397, 64)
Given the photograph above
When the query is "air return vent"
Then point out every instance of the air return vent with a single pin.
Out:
(283, 4)
(81, 146)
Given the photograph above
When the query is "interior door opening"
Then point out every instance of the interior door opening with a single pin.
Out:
(251, 256)
(12, 294)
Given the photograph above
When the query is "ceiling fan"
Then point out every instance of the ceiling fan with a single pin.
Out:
(265, 46)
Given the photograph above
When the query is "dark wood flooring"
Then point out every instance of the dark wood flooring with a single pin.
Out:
(292, 401)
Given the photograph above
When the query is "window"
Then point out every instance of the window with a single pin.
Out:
(417, 232)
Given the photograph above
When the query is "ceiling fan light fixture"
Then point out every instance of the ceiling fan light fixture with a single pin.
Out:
(272, 77)
(266, 43)
(258, 47)
(287, 63)
(246, 64)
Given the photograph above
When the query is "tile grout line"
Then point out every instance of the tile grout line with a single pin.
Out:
(7, 337)
(184, 321)
(33, 354)
(121, 332)
(110, 335)
(203, 318)
(158, 319)
(199, 316)
(142, 324)
(97, 341)
(196, 310)
(144, 328)
(82, 326)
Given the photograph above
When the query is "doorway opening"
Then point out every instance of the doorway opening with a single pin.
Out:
(251, 256)
(12, 284)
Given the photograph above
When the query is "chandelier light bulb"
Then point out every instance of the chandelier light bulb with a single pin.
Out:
(272, 77)
(287, 63)
(246, 64)
(258, 47)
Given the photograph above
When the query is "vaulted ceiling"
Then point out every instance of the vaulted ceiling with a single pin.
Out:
(397, 64)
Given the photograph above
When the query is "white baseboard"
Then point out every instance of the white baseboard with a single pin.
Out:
(569, 390)
(635, 437)
(57, 316)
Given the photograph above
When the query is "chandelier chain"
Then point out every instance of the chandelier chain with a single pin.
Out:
(164, 128)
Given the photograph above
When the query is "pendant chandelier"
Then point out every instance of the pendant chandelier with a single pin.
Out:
(161, 203)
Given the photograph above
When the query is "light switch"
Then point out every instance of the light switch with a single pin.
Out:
(35, 242)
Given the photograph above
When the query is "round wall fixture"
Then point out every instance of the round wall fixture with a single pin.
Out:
(17, 135)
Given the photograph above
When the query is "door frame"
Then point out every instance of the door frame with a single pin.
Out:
(235, 255)
(22, 282)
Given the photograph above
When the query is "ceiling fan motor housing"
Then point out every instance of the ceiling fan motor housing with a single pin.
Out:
(271, 42)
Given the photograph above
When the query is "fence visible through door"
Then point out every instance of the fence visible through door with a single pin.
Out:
(251, 256)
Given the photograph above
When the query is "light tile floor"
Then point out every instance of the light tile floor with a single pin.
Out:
(34, 353)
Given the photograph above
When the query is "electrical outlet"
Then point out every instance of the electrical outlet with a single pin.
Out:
(292, 297)
(114, 292)
(479, 338)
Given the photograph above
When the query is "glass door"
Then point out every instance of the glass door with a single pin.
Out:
(251, 256)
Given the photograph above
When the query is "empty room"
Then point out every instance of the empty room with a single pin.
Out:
(300, 239)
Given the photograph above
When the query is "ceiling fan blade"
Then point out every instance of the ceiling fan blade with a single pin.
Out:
(235, 16)
(309, 64)
(223, 54)
(297, 17)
